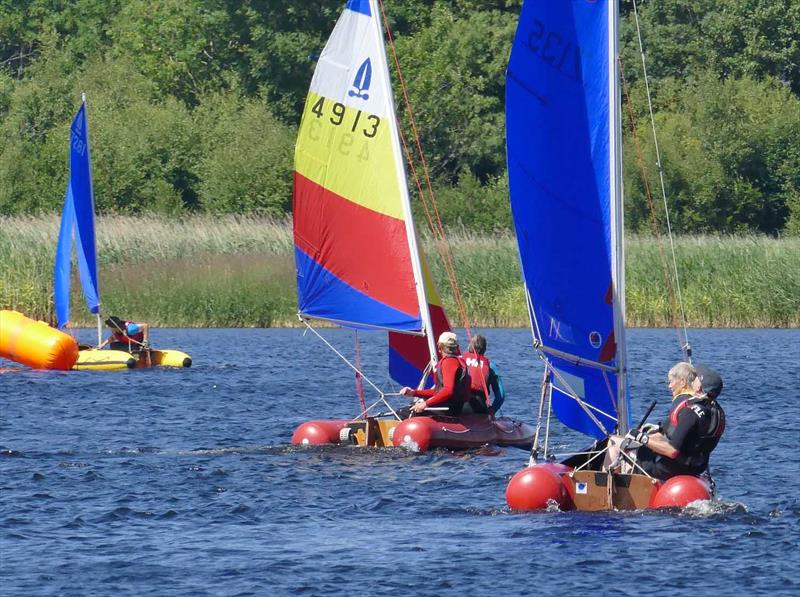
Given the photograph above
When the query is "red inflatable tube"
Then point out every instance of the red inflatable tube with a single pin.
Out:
(536, 487)
(317, 433)
(680, 491)
(415, 433)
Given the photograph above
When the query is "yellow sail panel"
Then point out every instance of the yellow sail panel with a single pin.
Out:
(349, 152)
(430, 286)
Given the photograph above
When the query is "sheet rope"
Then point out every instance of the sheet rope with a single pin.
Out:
(675, 296)
(428, 200)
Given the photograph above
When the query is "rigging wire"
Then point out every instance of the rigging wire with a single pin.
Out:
(341, 356)
(685, 346)
(428, 201)
(359, 382)
(668, 283)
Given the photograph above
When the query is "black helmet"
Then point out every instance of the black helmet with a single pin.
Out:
(710, 380)
(115, 323)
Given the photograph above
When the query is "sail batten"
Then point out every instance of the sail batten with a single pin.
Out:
(563, 158)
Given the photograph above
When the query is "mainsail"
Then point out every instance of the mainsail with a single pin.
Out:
(563, 146)
(408, 355)
(77, 219)
(356, 251)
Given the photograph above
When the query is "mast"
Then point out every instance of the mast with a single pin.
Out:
(94, 220)
(617, 213)
(411, 233)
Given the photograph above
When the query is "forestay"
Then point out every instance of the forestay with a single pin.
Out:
(563, 162)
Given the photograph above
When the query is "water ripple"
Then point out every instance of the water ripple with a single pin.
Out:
(185, 483)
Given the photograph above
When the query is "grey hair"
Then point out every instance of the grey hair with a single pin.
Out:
(683, 372)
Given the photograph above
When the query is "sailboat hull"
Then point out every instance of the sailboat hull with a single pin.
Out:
(543, 486)
(104, 360)
(92, 359)
(418, 433)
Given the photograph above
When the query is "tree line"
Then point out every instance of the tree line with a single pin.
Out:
(194, 104)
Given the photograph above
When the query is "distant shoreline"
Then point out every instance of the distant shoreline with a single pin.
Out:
(226, 271)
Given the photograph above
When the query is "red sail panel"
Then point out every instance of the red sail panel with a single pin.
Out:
(365, 249)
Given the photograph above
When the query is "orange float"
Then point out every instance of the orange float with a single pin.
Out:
(34, 343)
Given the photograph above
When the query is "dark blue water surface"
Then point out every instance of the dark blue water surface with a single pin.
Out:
(183, 482)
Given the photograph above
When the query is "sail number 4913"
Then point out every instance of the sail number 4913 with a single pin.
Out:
(365, 123)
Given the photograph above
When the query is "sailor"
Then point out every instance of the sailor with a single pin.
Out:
(127, 335)
(452, 381)
(483, 378)
(685, 439)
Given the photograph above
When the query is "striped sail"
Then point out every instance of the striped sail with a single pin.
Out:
(356, 252)
(408, 355)
(563, 164)
(77, 220)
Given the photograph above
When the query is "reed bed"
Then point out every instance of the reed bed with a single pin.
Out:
(231, 271)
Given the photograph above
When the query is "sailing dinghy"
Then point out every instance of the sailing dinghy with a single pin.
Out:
(564, 164)
(358, 261)
(77, 221)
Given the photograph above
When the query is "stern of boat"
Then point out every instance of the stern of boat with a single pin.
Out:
(371, 432)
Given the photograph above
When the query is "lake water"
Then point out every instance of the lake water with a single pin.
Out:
(183, 482)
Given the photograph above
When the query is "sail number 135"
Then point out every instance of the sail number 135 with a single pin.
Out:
(366, 123)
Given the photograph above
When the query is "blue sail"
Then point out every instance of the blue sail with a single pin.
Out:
(561, 165)
(77, 220)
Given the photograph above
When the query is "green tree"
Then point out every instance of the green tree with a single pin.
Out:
(144, 144)
(729, 153)
(483, 207)
(32, 163)
(733, 38)
(81, 26)
(184, 46)
(247, 157)
(455, 72)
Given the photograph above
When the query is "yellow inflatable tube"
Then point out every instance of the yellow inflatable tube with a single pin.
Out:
(34, 343)
(170, 358)
(92, 359)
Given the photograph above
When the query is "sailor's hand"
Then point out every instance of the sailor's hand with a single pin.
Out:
(651, 427)
(406, 391)
(637, 438)
(419, 406)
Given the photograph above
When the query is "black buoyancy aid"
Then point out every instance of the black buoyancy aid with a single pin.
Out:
(462, 384)
(699, 445)
(479, 371)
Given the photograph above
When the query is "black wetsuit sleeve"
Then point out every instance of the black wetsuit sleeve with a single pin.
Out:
(687, 419)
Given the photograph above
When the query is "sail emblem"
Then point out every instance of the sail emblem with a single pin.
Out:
(77, 126)
(595, 339)
(362, 80)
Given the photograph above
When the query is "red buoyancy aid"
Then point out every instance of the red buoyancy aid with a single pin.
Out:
(479, 371)
(461, 391)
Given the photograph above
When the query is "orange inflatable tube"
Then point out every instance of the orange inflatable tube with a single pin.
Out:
(34, 343)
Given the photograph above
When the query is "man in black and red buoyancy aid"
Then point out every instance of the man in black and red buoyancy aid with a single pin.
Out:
(683, 442)
(451, 377)
(126, 335)
(483, 378)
